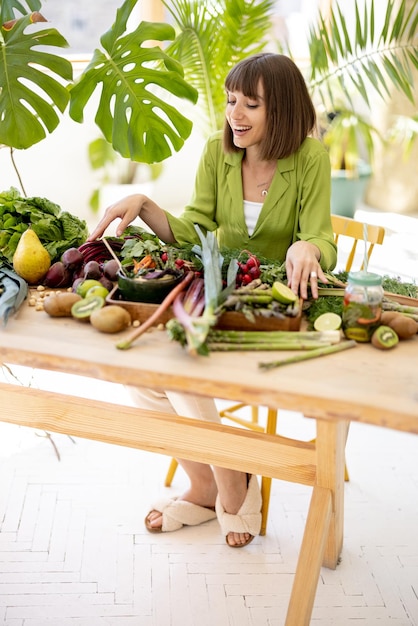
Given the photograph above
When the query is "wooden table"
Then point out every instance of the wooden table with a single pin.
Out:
(362, 384)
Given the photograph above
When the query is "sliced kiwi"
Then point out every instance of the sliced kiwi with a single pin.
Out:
(82, 309)
(384, 338)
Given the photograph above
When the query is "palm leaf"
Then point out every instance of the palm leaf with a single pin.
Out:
(211, 38)
(30, 92)
(383, 59)
(134, 114)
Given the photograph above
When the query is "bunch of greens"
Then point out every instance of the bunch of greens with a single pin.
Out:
(138, 242)
(57, 230)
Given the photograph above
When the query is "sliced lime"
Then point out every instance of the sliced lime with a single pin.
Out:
(282, 293)
(328, 321)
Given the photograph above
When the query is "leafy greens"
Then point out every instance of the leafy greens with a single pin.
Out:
(57, 230)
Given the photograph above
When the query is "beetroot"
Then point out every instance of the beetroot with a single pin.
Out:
(72, 259)
(106, 283)
(92, 270)
(58, 276)
(110, 269)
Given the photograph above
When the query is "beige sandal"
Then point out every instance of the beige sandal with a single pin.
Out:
(178, 513)
(248, 518)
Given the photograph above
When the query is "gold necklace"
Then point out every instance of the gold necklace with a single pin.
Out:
(266, 186)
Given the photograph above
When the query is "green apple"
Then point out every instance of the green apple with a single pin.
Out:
(98, 290)
(87, 284)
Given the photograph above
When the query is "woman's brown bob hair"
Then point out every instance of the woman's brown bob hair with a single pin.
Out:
(290, 113)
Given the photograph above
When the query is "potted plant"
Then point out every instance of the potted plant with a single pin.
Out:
(350, 139)
(347, 72)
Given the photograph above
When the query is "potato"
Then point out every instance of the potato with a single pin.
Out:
(111, 318)
(59, 304)
(405, 327)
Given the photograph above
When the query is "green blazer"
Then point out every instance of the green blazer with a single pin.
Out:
(297, 206)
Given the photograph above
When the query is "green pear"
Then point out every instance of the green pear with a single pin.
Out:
(31, 260)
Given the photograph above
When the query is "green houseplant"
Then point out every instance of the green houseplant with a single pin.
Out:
(138, 82)
(134, 113)
(348, 71)
(210, 38)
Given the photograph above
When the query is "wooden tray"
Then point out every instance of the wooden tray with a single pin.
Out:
(406, 300)
(140, 311)
(233, 320)
(228, 321)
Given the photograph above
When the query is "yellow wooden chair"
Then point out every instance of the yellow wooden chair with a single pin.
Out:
(344, 229)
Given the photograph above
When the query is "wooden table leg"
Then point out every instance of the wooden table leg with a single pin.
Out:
(310, 558)
(323, 536)
(330, 469)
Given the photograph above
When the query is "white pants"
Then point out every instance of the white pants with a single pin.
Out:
(197, 407)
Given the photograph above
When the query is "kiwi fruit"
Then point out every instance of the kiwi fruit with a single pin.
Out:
(404, 327)
(110, 319)
(384, 338)
(60, 304)
(82, 309)
(388, 316)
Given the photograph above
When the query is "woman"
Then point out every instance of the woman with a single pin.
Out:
(262, 185)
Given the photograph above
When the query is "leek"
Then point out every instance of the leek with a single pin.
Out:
(189, 327)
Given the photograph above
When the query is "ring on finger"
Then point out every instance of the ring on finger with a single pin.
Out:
(314, 275)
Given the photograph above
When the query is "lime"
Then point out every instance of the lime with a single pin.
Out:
(328, 321)
(98, 290)
(282, 293)
(87, 284)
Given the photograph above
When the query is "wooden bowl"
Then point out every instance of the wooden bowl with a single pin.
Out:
(151, 290)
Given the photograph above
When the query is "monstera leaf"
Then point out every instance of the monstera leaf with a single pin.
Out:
(30, 92)
(136, 82)
(8, 8)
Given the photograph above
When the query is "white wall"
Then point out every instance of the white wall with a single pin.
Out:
(57, 168)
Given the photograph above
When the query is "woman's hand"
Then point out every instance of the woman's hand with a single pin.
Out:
(126, 209)
(302, 267)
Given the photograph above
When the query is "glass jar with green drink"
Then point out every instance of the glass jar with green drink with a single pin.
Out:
(362, 305)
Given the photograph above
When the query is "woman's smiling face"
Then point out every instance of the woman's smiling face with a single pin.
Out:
(246, 117)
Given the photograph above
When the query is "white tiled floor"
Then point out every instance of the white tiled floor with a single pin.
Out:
(74, 550)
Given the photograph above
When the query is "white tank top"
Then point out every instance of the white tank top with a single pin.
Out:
(251, 212)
